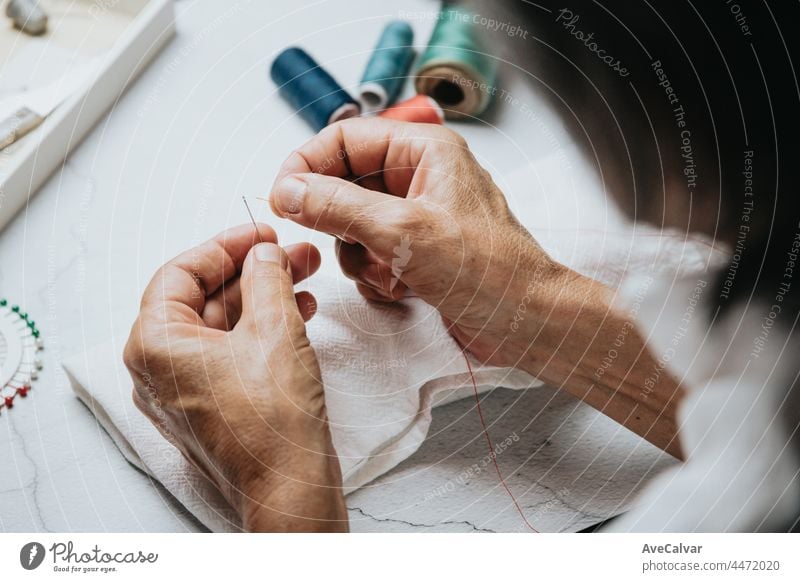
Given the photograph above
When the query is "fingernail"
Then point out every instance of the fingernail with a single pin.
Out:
(268, 253)
(290, 194)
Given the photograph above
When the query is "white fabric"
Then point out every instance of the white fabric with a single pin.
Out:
(379, 392)
(384, 367)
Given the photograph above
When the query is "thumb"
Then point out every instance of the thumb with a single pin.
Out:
(343, 209)
(268, 299)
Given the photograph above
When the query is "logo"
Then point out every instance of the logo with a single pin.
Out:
(31, 555)
(402, 255)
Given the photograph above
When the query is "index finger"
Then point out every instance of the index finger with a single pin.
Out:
(360, 147)
(181, 286)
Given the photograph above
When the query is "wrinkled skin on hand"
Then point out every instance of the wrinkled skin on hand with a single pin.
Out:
(222, 367)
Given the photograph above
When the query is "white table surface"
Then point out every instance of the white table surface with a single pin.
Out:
(165, 170)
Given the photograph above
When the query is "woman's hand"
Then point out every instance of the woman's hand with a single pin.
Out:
(419, 212)
(222, 366)
(414, 209)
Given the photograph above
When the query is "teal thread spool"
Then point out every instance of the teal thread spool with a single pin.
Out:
(388, 66)
(455, 69)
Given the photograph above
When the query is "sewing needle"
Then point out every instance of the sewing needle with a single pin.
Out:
(252, 219)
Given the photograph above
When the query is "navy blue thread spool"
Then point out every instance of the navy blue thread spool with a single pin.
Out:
(318, 98)
(388, 66)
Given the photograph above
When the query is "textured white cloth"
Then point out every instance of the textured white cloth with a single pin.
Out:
(384, 367)
(382, 370)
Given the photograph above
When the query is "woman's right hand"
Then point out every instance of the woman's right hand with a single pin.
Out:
(415, 210)
(419, 212)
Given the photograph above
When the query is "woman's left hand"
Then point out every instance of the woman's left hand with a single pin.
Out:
(222, 367)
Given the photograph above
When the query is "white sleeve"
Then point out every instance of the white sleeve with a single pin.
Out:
(742, 472)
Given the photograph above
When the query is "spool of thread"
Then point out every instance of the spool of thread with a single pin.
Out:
(455, 69)
(420, 109)
(388, 66)
(318, 98)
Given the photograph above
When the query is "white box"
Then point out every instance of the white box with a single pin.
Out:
(150, 25)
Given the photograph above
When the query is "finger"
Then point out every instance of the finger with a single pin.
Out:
(179, 289)
(268, 298)
(366, 146)
(306, 304)
(372, 182)
(373, 294)
(352, 258)
(304, 260)
(363, 267)
(381, 279)
(223, 309)
(338, 207)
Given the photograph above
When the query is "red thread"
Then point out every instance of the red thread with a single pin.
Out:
(491, 446)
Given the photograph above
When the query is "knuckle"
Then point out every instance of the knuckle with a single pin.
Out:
(334, 194)
(151, 290)
(133, 355)
(337, 126)
(138, 400)
(447, 139)
(455, 138)
(337, 191)
(272, 272)
(144, 350)
(406, 217)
